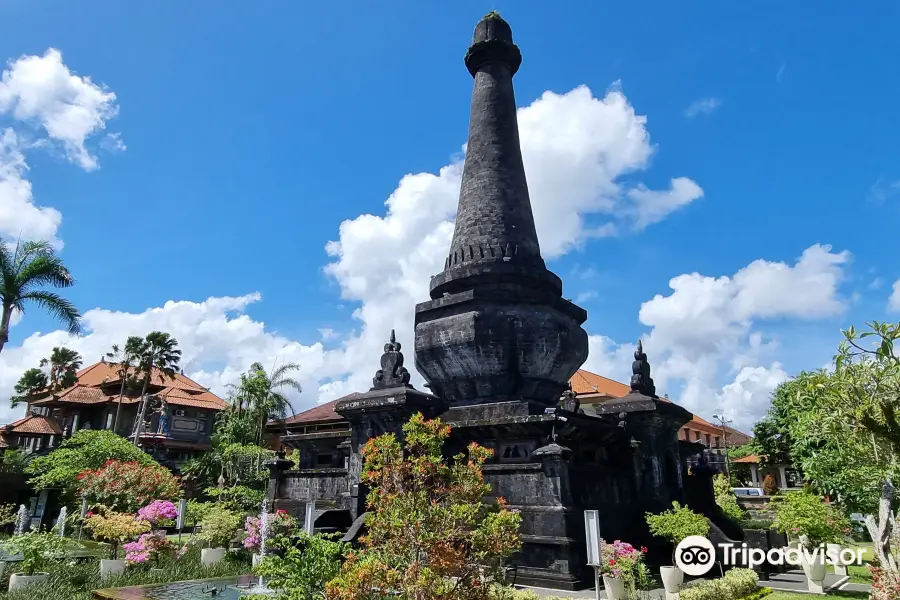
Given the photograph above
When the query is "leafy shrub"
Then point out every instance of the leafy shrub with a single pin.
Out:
(677, 523)
(158, 511)
(303, 571)
(770, 487)
(114, 528)
(149, 547)
(423, 505)
(735, 585)
(806, 514)
(38, 549)
(621, 559)
(126, 486)
(885, 585)
(195, 511)
(86, 449)
(726, 499)
(218, 527)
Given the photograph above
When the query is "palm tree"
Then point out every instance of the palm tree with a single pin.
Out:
(268, 402)
(158, 351)
(126, 358)
(64, 364)
(24, 270)
(40, 382)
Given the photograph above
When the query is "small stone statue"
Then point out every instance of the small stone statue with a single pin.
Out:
(641, 381)
(569, 401)
(392, 372)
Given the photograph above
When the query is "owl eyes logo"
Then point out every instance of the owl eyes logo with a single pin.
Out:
(695, 555)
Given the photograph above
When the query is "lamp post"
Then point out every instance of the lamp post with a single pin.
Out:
(724, 423)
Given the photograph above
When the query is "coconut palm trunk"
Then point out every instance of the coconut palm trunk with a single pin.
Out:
(5, 318)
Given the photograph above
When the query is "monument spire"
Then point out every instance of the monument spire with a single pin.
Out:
(494, 220)
(497, 329)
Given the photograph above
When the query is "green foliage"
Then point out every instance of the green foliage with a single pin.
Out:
(303, 571)
(38, 549)
(806, 514)
(219, 526)
(31, 386)
(195, 511)
(237, 498)
(24, 270)
(677, 523)
(127, 486)
(13, 460)
(114, 528)
(86, 449)
(423, 505)
(726, 499)
(8, 514)
(256, 400)
(76, 581)
(737, 584)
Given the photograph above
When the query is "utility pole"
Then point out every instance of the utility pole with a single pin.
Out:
(724, 424)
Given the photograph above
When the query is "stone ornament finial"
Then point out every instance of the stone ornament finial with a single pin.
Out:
(392, 372)
(569, 401)
(641, 382)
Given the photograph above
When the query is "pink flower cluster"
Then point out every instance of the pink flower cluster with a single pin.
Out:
(279, 524)
(157, 511)
(619, 557)
(150, 546)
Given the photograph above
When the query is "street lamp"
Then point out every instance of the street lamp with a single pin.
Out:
(724, 423)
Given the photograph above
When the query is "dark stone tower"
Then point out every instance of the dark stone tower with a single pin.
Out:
(497, 328)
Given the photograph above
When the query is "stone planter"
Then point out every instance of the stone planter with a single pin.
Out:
(814, 568)
(615, 587)
(111, 567)
(18, 581)
(211, 556)
(672, 579)
(840, 567)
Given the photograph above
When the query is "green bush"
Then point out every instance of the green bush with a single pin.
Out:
(677, 523)
(737, 584)
(726, 499)
(806, 514)
(218, 527)
(303, 571)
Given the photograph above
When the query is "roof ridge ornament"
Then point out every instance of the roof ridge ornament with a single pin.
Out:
(392, 372)
(641, 382)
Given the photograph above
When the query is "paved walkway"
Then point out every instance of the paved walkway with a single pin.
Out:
(792, 581)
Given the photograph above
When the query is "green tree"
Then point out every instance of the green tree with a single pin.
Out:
(304, 569)
(431, 534)
(24, 271)
(86, 449)
(259, 398)
(158, 352)
(126, 358)
(56, 373)
(726, 499)
(32, 385)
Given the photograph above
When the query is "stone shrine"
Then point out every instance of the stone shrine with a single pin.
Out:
(497, 344)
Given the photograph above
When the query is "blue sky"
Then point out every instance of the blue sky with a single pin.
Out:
(252, 131)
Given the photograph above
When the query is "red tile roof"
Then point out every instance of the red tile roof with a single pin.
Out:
(586, 384)
(100, 383)
(322, 413)
(34, 424)
(747, 460)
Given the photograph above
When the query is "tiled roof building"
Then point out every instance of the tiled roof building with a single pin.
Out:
(179, 421)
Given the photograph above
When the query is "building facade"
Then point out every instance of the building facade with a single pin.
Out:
(178, 424)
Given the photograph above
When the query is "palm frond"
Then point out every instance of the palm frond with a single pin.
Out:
(57, 306)
(44, 269)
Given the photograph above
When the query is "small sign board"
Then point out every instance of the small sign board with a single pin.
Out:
(309, 521)
(182, 508)
(83, 506)
(592, 536)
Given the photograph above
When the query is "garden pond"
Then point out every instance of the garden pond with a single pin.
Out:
(231, 588)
